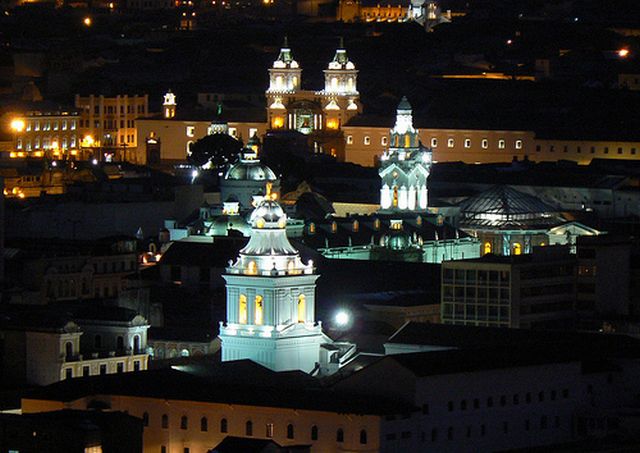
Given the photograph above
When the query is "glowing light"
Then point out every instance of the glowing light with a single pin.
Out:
(342, 318)
(194, 174)
(88, 140)
(94, 161)
(54, 164)
(509, 42)
(87, 21)
(18, 125)
(278, 122)
(623, 53)
(332, 124)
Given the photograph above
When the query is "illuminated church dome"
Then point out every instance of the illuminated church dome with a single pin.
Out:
(250, 168)
(247, 179)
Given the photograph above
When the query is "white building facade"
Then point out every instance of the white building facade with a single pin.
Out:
(271, 299)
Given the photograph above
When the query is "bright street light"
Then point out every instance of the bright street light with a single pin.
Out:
(17, 125)
(342, 318)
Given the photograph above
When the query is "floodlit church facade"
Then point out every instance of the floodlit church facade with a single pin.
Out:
(271, 299)
(404, 167)
(319, 114)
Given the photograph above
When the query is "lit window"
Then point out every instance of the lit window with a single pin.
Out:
(487, 247)
(485, 143)
(450, 143)
(434, 142)
(349, 139)
(467, 143)
(253, 131)
(367, 140)
(518, 144)
(191, 131)
(383, 141)
(517, 248)
(501, 144)
(242, 318)
(259, 303)
(233, 131)
(302, 311)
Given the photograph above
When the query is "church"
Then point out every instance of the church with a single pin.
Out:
(271, 299)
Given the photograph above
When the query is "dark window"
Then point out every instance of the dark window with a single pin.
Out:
(145, 419)
(450, 433)
(184, 422)
(223, 425)
(290, 431)
(165, 421)
(248, 428)
(120, 367)
(516, 399)
(434, 435)
(175, 273)
(489, 402)
(483, 430)
(204, 424)
(463, 405)
(136, 365)
(340, 435)
(314, 432)
(120, 343)
(541, 396)
(468, 431)
(527, 425)
(68, 349)
(543, 422)
(505, 427)
(476, 403)
(565, 393)
(186, 450)
(450, 406)
(390, 436)
(425, 409)
(363, 436)
(553, 395)
(556, 421)
(528, 397)
(86, 371)
(405, 435)
(103, 369)
(68, 373)
(163, 449)
(503, 400)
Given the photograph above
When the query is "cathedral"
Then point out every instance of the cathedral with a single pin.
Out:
(318, 114)
(404, 167)
(271, 299)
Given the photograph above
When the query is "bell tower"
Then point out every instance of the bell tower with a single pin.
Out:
(169, 105)
(271, 299)
(341, 97)
(405, 166)
(284, 79)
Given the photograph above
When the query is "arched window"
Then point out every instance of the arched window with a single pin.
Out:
(248, 428)
(120, 343)
(314, 432)
(487, 248)
(356, 226)
(224, 427)
(242, 318)
(165, 421)
(145, 419)
(252, 268)
(184, 422)
(188, 149)
(395, 196)
(302, 309)
(340, 435)
(290, 432)
(68, 349)
(136, 344)
(259, 307)
(204, 424)
(517, 248)
(363, 436)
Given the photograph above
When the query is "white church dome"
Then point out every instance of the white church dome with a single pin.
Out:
(250, 171)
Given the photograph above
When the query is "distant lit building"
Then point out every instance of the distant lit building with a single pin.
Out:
(109, 123)
(528, 291)
(319, 114)
(404, 167)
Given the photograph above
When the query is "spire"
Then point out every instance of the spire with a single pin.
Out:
(341, 44)
(286, 41)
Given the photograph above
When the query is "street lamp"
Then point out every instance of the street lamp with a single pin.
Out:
(17, 126)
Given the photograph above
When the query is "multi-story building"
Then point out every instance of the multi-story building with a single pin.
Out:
(43, 129)
(525, 291)
(195, 408)
(71, 270)
(110, 123)
(45, 345)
